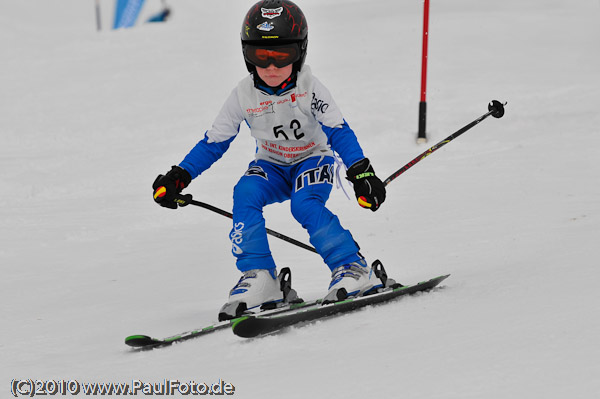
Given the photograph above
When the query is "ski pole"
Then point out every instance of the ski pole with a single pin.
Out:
(495, 109)
(187, 199)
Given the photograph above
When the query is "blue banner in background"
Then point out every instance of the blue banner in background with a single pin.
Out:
(126, 13)
(161, 16)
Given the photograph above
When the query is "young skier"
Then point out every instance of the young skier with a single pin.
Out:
(297, 127)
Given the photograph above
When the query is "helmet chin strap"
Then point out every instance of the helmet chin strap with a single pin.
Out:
(285, 86)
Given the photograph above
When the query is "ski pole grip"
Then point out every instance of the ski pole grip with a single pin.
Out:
(184, 200)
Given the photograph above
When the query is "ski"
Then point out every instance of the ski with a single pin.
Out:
(143, 342)
(263, 321)
(253, 326)
(148, 342)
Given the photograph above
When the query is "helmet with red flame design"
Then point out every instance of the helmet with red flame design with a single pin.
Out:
(274, 32)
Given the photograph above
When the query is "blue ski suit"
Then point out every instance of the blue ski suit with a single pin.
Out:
(296, 132)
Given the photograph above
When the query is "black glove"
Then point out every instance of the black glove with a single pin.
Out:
(369, 189)
(167, 187)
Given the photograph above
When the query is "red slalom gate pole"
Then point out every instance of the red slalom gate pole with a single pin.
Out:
(422, 135)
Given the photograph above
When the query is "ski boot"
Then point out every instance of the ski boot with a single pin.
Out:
(259, 287)
(358, 279)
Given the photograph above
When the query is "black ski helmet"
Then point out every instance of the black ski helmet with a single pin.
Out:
(271, 23)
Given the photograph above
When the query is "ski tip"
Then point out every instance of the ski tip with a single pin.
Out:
(239, 320)
(244, 327)
(140, 341)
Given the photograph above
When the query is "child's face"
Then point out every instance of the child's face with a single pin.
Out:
(274, 76)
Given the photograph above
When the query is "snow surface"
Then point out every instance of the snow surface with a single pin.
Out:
(511, 209)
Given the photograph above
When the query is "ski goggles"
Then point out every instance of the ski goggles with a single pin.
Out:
(279, 56)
